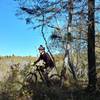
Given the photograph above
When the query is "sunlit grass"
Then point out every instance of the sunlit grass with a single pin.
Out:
(10, 88)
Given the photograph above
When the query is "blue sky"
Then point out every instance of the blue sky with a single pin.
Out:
(15, 36)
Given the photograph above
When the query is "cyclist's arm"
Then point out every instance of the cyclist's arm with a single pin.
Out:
(37, 60)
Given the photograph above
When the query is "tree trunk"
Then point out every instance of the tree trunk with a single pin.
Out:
(68, 63)
(67, 60)
(91, 45)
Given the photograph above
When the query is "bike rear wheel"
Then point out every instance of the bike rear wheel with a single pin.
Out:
(55, 80)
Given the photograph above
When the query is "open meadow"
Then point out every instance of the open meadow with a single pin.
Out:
(13, 70)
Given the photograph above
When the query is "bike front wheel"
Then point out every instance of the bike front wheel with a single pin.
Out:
(31, 78)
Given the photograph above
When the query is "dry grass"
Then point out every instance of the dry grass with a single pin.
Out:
(9, 88)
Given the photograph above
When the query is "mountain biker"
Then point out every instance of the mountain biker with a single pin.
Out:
(49, 64)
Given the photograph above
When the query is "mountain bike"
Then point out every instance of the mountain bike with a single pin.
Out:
(32, 77)
(31, 80)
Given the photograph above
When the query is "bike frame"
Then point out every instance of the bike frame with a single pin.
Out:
(39, 70)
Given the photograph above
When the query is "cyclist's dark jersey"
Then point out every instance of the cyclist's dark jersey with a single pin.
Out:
(47, 59)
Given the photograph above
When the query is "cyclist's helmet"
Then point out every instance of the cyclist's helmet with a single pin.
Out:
(41, 47)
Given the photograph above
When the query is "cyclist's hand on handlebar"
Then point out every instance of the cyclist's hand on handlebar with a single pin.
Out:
(32, 64)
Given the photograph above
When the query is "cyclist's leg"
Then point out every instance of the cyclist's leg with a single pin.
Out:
(46, 72)
(52, 71)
